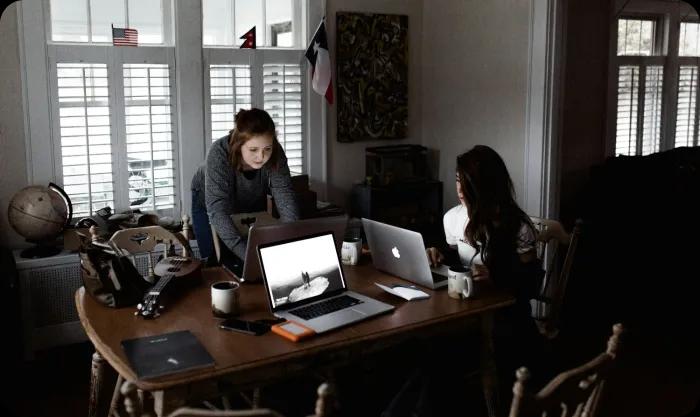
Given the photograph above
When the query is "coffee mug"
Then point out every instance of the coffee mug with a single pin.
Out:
(224, 298)
(350, 253)
(459, 282)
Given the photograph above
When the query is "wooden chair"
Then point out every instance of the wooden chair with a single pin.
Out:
(144, 239)
(575, 392)
(325, 407)
(551, 236)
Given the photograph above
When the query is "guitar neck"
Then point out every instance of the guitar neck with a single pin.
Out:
(162, 282)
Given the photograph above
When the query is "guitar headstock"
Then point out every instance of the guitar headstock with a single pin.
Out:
(149, 308)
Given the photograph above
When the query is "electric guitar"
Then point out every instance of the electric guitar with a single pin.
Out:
(172, 267)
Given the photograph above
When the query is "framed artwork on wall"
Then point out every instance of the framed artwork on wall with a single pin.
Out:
(372, 60)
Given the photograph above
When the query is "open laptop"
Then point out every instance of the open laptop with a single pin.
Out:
(401, 252)
(262, 234)
(304, 282)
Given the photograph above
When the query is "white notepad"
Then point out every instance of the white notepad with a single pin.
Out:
(407, 292)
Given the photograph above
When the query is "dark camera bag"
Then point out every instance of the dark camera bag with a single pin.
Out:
(111, 279)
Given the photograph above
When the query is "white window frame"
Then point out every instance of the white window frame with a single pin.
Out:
(114, 58)
(668, 18)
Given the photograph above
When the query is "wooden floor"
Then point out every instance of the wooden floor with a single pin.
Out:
(662, 378)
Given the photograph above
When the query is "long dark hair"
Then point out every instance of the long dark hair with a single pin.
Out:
(495, 218)
(249, 123)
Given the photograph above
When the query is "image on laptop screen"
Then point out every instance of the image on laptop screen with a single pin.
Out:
(301, 269)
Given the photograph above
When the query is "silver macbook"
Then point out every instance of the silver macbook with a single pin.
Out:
(401, 252)
(304, 282)
(259, 235)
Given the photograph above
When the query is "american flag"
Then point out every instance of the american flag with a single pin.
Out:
(125, 37)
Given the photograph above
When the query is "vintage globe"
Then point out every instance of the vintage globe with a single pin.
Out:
(39, 213)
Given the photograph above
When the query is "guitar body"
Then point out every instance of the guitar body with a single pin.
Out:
(182, 269)
(176, 273)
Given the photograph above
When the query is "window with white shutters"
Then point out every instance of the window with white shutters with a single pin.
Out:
(270, 77)
(656, 83)
(85, 135)
(639, 88)
(230, 91)
(283, 97)
(149, 136)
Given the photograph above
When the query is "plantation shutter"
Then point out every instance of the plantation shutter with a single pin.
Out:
(85, 139)
(149, 136)
(639, 106)
(230, 91)
(687, 114)
(282, 92)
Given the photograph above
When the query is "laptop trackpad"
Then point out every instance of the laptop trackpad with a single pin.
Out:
(348, 315)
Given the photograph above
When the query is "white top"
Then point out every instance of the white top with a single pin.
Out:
(455, 222)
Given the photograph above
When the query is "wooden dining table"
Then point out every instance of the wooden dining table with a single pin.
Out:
(247, 361)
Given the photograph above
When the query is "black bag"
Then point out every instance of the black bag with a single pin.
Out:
(111, 279)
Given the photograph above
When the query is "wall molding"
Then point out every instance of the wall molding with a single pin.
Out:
(543, 107)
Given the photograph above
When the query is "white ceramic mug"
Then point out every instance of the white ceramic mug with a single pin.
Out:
(459, 282)
(351, 250)
(225, 298)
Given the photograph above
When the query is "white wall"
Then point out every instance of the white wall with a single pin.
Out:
(13, 163)
(346, 161)
(474, 82)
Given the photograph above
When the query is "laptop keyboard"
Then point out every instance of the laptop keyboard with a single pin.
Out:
(334, 304)
(438, 277)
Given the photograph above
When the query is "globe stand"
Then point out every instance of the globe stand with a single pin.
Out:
(40, 251)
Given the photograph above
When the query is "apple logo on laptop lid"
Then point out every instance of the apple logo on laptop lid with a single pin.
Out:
(395, 252)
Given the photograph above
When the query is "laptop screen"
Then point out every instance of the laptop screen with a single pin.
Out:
(301, 269)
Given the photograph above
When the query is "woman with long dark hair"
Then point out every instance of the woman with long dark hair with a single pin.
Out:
(241, 169)
(496, 239)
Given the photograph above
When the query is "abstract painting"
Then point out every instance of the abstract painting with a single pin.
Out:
(372, 59)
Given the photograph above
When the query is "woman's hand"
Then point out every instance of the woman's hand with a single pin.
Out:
(435, 257)
(480, 272)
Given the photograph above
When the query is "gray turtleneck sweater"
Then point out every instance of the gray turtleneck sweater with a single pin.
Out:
(228, 191)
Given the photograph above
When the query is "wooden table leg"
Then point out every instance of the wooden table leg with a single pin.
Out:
(96, 376)
(489, 379)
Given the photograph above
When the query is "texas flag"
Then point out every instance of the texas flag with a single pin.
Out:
(318, 57)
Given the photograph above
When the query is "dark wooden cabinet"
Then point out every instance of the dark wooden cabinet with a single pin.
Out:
(411, 205)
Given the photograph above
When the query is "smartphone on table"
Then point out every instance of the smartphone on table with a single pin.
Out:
(243, 326)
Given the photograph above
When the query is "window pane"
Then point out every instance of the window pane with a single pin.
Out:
(689, 39)
(229, 89)
(86, 151)
(69, 21)
(149, 136)
(104, 14)
(283, 98)
(635, 37)
(217, 22)
(686, 117)
(249, 13)
(627, 104)
(146, 16)
(279, 22)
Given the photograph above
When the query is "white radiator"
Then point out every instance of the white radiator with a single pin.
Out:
(47, 291)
